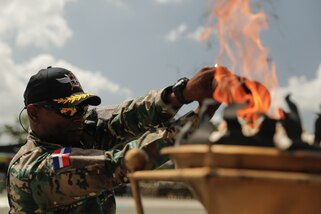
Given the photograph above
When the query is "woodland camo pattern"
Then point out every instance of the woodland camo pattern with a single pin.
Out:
(96, 166)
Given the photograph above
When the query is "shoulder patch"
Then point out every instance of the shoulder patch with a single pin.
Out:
(60, 158)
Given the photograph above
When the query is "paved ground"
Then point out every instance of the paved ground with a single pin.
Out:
(151, 206)
(3, 204)
(158, 206)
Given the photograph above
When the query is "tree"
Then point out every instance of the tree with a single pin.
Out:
(15, 130)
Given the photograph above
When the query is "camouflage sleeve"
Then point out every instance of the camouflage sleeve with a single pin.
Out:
(146, 123)
(139, 115)
(153, 140)
(77, 175)
(122, 123)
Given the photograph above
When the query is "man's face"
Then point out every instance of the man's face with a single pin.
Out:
(58, 129)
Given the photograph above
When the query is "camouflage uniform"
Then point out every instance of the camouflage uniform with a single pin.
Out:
(96, 167)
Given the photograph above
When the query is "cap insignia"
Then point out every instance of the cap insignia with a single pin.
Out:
(71, 79)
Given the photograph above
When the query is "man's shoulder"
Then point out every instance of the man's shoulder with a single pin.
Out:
(27, 157)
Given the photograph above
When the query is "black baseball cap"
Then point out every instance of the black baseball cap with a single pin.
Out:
(58, 86)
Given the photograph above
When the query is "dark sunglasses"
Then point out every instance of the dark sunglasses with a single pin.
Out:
(68, 112)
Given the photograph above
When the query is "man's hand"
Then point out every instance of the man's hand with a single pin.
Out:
(200, 86)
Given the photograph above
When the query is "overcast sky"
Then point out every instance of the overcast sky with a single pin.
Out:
(122, 48)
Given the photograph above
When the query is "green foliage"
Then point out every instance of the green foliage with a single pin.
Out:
(15, 131)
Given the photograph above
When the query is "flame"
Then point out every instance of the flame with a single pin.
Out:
(233, 89)
(241, 49)
(281, 113)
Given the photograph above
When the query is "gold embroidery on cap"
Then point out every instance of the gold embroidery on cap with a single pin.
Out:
(72, 98)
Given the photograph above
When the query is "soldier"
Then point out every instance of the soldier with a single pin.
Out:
(73, 159)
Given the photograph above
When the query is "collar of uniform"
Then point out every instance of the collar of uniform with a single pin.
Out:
(39, 142)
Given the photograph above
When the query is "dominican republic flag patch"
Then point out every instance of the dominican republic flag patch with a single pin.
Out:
(60, 158)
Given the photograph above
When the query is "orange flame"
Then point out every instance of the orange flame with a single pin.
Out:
(233, 89)
(241, 50)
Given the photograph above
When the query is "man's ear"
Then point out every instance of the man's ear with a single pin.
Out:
(32, 112)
